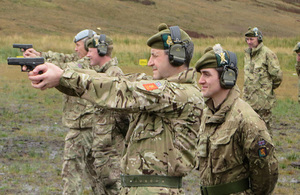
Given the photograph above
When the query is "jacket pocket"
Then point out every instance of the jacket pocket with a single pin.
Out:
(226, 154)
(152, 127)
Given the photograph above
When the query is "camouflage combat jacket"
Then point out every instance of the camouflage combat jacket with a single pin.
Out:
(297, 66)
(51, 56)
(162, 134)
(234, 145)
(77, 112)
(262, 76)
(109, 125)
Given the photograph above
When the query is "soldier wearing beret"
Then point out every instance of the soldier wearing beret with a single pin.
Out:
(160, 145)
(297, 66)
(262, 74)
(236, 153)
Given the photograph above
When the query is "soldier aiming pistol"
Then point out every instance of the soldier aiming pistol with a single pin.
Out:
(22, 47)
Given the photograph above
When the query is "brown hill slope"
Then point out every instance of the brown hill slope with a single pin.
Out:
(207, 17)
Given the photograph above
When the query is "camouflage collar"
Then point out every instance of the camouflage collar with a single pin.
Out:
(254, 50)
(187, 76)
(106, 66)
(217, 115)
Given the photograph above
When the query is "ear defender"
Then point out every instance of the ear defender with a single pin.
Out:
(102, 46)
(177, 51)
(229, 74)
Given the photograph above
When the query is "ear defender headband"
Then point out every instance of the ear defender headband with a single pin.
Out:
(177, 50)
(102, 45)
(90, 35)
(228, 60)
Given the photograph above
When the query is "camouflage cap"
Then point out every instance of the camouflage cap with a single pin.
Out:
(94, 41)
(163, 40)
(297, 48)
(253, 32)
(213, 57)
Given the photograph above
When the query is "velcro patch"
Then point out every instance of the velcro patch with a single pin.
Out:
(262, 152)
(151, 86)
(262, 143)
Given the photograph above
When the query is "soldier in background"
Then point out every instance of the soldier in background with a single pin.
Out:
(160, 145)
(236, 153)
(109, 127)
(297, 66)
(262, 76)
(78, 117)
(80, 50)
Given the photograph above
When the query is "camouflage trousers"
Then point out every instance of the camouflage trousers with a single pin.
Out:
(78, 162)
(107, 148)
(266, 115)
(151, 191)
(299, 91)
(108, 172)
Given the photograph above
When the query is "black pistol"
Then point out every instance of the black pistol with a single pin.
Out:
(22, 47)
(30, 63)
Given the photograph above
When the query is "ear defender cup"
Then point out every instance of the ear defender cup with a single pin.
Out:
(228, 78)
(177, 55)
(90, 35)
(229, 75)
(177, 51)
(102, 47)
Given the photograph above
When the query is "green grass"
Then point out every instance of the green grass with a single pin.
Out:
(287, 110)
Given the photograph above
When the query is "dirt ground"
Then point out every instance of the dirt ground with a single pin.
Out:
(20, 150)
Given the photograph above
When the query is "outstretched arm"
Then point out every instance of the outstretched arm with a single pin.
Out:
(50, 77)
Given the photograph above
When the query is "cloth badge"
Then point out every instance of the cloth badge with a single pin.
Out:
(222, 59)
(167, 40)
(158, 84)
(95, 42)
(150, 86)
(262, 143)
(262, 152)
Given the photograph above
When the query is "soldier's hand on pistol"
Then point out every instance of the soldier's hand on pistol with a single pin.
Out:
(31, 53)
(49, 78)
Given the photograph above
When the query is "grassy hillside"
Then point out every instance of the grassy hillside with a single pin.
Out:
(279, 18)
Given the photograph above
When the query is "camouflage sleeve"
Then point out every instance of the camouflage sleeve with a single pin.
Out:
(83, 63)
(120, 94)
(297, 66)
(274, 69)
(70, 91)
(260, 152)
(51, 56)
(114, 71)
